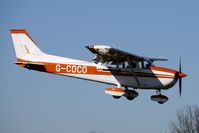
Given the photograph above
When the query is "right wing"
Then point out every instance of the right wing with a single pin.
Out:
(106, 53)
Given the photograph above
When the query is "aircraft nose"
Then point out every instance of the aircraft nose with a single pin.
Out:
(181, 75)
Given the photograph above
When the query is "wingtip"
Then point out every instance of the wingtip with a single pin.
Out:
(89, 46)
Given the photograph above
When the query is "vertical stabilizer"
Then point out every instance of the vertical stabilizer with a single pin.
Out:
(24, 44)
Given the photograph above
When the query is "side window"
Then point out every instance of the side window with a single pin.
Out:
(145, 64)
(140, 64)
(111, 65)
(125, 64)
(117, 66)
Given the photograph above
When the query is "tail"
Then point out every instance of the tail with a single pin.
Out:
(23, 44)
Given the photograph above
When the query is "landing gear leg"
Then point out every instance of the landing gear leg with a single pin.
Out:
(158, 92)
(130, 94)
(126, 88)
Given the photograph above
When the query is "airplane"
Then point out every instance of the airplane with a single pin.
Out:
(127, 72)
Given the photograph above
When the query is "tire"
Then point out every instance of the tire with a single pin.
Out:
(116, 97)
(130, 98)
(160, 102)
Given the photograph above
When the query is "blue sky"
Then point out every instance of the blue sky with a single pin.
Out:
(36, 102)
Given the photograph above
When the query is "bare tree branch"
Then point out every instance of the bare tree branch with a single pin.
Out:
(187, 120)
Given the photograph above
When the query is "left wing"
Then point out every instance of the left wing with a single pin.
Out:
(106, 53)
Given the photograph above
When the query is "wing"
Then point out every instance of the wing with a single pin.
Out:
(106, 53)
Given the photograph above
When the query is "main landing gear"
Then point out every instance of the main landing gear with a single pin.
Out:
(130, 94)
(117, 93)
(159, 97)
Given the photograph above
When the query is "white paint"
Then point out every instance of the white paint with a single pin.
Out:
(27, 50)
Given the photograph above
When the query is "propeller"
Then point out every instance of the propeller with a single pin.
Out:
(180, 79)
(180, 75)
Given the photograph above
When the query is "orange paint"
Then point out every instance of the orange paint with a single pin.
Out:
(114, 89)
(162, 69)
(51, 68)
(21, 31)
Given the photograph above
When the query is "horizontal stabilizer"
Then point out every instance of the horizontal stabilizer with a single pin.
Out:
(27, 63)
(32, 66)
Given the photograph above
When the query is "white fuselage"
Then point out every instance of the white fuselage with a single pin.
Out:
(149, 78)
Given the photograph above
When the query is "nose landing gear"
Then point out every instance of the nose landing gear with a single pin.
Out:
(159, 98)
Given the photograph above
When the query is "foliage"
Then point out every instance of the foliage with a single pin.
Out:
(187, 121)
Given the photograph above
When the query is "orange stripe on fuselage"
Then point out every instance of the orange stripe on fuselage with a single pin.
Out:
(162, 69)
(57, 68)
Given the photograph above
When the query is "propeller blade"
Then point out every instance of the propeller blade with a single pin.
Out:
(180, 78)
(180, 86)
(180, 66)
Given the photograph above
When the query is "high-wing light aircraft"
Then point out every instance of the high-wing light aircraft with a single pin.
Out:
(110, 65)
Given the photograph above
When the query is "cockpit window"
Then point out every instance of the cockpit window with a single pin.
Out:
(125, 65)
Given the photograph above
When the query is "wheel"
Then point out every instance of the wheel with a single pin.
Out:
(159, 98)
(129, 98)
(116, 97)
(160, 102)
(131, 94)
